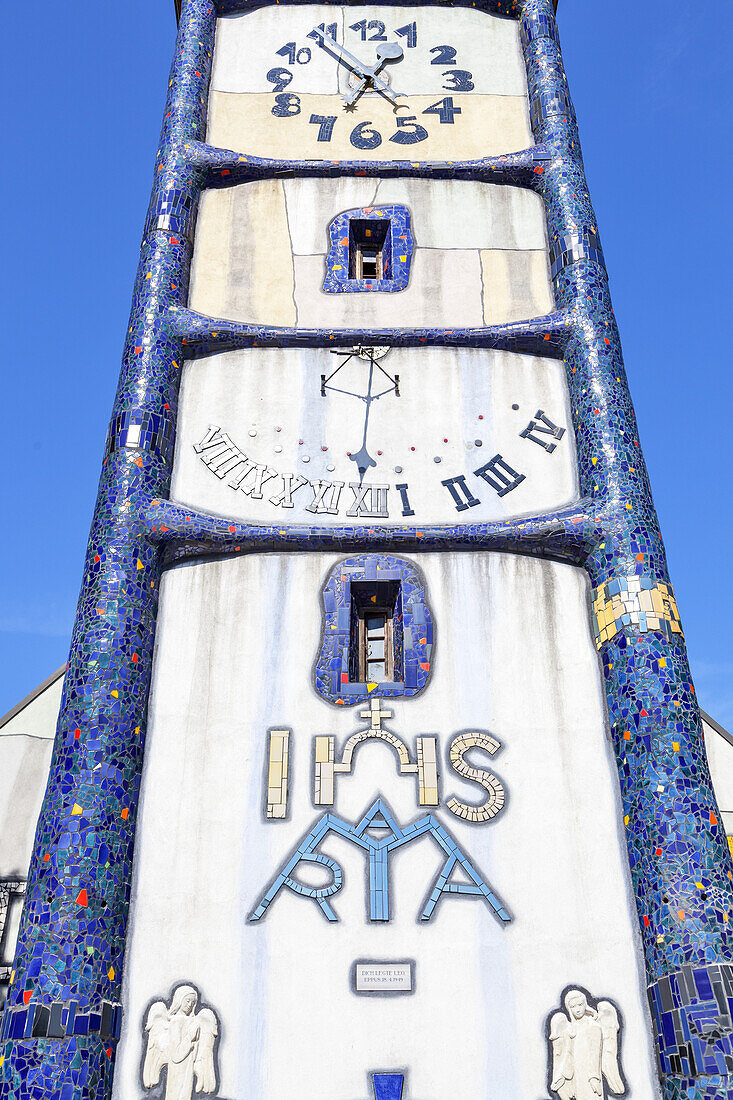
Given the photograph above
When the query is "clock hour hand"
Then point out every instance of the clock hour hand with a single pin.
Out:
(367, 72)
(391, 51)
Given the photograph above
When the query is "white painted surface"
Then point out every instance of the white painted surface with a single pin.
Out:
(38, 717)
(480, 254)
(465, 397)
(494, 112)
(446, 214)
(487, 46)
(26, 743)
(24, 764)
(514, 657)
(720, 759)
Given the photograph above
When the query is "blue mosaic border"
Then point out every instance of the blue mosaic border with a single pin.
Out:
(397, 256)
(59, 1019)
(72, 934)
(141, 430)
(414, 637)
(693, 1013)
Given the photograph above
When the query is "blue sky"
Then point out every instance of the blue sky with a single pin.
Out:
(85, 85)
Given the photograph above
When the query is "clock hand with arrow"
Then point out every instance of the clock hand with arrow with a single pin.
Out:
(390, 51)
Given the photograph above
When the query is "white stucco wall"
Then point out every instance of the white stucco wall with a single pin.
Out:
(480, 254)
(24, 764)
(26, 743)
(36, 716)
(720, 758)
(494, 114)
(455, 406)
(513, 657)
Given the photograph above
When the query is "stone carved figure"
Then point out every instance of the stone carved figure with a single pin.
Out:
(585, 1049)
(183, 1040)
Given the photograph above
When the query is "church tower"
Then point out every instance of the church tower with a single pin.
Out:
(379, 769)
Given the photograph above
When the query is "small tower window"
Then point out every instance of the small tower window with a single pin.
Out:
(370, 249)
(366, 248)
(376, 647)
(376, 632)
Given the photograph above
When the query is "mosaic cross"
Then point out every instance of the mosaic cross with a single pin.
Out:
(376, 714)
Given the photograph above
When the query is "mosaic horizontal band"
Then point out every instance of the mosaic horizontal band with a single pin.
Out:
(57, 1020)
(570, 535)
(545, 336)
(641, 603)
(577, 246)
(225, 168)
(141, 430)
(693, 1015)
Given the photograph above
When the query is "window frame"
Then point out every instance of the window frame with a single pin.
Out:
(363, 657)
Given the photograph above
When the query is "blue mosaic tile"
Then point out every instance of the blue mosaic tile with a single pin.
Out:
(396, 250)
(336, 674)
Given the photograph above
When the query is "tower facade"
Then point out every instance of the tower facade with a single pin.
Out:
(379, 764)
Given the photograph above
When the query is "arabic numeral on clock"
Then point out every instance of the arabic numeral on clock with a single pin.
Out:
(319, 31)
(459, 80)
(363, 138)
(408, 137)
(444, 109)
(302, 56)
(280, 78)
(445, 55)
(410, 33)
(325, 124)
(373, 25)
(286, 105)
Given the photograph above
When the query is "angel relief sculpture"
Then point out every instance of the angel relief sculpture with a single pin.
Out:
(585, 1049)
(182, 1040)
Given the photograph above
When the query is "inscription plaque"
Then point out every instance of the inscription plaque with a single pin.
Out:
(383, 977)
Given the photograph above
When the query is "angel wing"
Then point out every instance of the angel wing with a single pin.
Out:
(562, 1060)
(203, 1066)
(608, 1019)
(156, 1055)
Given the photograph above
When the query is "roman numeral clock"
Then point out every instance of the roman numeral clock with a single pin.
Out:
(379, 770)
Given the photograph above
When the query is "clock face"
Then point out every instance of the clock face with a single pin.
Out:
(377, 83)
(331, 438)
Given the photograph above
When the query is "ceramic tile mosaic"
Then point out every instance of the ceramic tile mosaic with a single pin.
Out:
(380, 817)
(635, 601)
(72, 935)
(693, 1012)
(336, 674)
(396, 251)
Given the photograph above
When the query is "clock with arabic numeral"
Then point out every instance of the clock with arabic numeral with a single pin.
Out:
(379, 83)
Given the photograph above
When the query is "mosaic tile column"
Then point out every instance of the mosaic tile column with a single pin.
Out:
(62, 1019)
(680, 863)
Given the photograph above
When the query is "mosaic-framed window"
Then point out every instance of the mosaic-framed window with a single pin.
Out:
(382, 582)
(370, 249)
